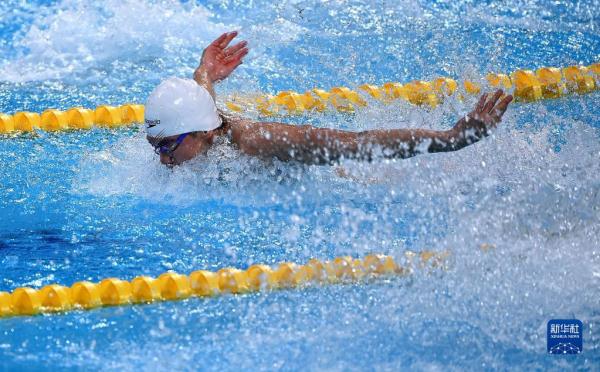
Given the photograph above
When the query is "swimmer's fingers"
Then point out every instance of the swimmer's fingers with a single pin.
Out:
(481, 102)
(219, 40)
(231, 66)
(492, 101)
(501, 107)
(232, 49)
(230, 36)
(236, 57)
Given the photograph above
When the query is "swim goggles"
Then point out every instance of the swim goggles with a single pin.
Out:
(169, 149)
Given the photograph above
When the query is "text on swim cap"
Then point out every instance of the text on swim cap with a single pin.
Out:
(152, 123)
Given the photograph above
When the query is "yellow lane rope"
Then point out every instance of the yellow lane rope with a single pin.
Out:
(525, 85)
(172, 286)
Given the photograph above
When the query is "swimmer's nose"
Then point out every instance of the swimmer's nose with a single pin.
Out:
(167, 160)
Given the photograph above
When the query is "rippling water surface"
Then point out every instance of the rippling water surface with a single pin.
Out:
(95, 204)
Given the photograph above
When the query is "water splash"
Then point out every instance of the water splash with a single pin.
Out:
(519, 211)
(90, 39)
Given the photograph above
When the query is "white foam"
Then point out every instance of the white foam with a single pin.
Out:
(80, 35)
(120, 40)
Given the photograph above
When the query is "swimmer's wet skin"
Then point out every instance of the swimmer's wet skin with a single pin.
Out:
(182, 121)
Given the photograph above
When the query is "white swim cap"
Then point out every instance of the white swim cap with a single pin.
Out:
(178, 106)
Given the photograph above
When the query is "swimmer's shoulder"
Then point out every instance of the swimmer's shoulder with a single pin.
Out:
(240, 127)
(242, 131)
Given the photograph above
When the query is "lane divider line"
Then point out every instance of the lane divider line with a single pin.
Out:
(525, 85)
(171, 286)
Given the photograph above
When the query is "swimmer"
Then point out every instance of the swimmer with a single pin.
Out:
(182, 122)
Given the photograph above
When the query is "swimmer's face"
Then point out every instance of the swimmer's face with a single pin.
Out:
(192, 145)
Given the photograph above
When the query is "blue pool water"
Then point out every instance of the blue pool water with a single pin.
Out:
(95, 204)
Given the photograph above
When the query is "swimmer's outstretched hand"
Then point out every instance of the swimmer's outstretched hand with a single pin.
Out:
(218, 60)
(478, 123)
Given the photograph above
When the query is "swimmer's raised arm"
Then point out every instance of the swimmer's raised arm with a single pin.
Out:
(218, 61)
(312, 145)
